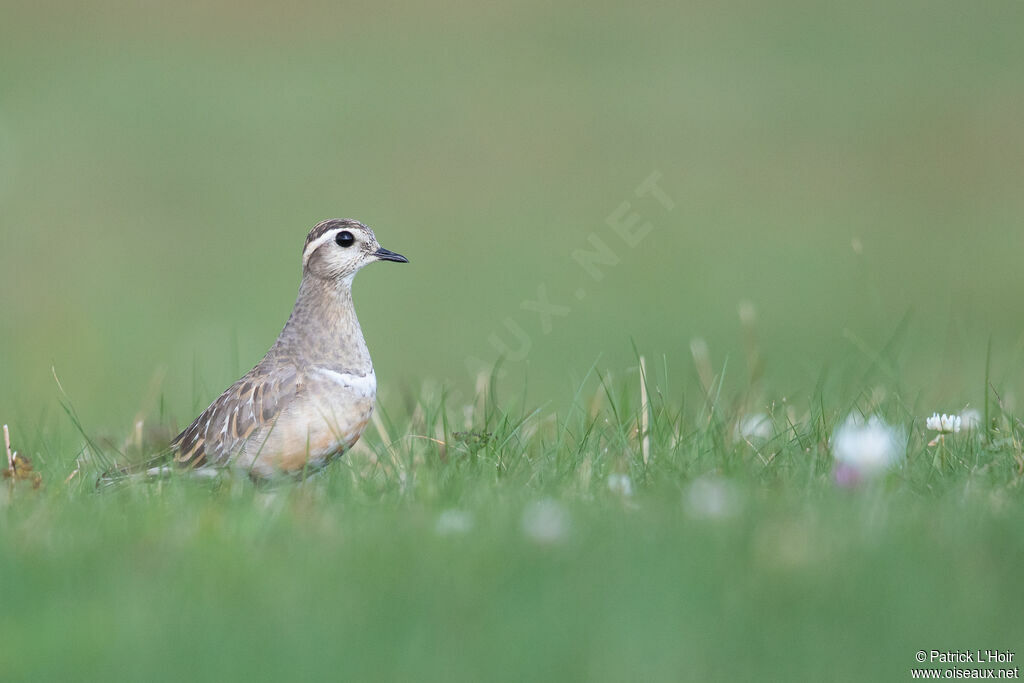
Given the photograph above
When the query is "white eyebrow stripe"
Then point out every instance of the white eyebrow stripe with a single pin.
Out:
(364, 385)
(312, 246)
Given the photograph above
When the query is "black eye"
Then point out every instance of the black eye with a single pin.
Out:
(345, 239)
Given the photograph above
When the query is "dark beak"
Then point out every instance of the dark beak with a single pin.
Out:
(388, 255)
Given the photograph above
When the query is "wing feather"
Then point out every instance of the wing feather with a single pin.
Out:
(253, 402)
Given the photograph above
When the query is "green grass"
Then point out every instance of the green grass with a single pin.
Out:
(359, 573)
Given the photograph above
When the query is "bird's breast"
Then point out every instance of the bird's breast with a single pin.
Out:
(327, 420)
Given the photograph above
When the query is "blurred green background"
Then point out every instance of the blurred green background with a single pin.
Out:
(844, 167)
(852, 172)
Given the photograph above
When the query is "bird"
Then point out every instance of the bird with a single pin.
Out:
(311, 396)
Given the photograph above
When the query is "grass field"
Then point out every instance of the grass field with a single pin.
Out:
(812, 211)
(518, 551)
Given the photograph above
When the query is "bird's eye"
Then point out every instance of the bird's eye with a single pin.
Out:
(345, 239)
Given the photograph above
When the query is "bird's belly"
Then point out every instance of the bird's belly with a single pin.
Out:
(308, 435)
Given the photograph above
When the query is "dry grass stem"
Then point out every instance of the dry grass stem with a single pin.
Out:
(645, 412)
(7, 445)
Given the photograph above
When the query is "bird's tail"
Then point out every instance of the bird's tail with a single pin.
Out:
(124, 474)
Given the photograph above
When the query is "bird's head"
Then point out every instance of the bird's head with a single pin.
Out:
(337, 248)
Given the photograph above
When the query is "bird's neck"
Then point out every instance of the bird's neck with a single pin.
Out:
(323, 328)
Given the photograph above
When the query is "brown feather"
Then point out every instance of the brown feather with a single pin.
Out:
(252, 402)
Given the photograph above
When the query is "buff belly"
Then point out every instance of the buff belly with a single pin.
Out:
(306, 436)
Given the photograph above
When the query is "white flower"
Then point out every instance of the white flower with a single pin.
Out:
(545, 521)
(945, 424)
(712, 498)
(865, 448)
(453, 522)
(620, 484)
(971, 419)
(754, 427)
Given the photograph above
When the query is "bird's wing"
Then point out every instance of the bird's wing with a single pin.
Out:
(253, 402)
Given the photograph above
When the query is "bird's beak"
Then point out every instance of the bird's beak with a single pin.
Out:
(387, 255)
